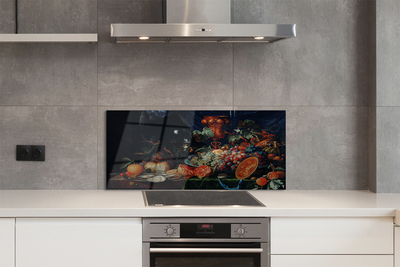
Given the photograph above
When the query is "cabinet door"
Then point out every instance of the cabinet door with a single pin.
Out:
(332, 235)
(397, 246)
(7, 234)
(78, 242)
(331, 260)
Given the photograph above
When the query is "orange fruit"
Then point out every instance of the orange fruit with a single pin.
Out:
(246, 168)
(262, 181)
(273, 175)
(134, 170)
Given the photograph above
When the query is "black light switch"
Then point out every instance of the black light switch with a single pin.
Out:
(30, 153)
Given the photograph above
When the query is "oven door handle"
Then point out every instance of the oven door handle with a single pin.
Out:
(206, 250)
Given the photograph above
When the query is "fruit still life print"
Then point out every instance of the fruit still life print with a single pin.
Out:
(211, 150)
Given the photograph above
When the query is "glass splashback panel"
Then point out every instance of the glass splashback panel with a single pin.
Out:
(232, 150)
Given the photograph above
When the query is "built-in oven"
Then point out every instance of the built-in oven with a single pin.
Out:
(206, 242)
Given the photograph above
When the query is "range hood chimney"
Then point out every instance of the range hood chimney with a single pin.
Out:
(199, 21)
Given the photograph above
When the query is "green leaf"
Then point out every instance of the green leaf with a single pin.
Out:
(196, 132)
(247, 135)
(233, 138)
(126, 159)
(208, 132)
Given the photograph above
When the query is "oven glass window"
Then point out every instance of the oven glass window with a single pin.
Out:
(205, 260)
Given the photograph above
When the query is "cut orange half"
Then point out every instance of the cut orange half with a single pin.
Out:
(246, 168)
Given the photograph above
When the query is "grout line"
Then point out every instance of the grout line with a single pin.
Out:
(97, 104)
(16, 16)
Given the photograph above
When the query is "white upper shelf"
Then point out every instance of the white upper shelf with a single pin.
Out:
(48, 37)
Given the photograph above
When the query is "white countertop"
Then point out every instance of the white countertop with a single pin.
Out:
(129, 203)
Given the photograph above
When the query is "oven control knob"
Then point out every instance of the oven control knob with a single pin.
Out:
(170, 231)
(240, 231)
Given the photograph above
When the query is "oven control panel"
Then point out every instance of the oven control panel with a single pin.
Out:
(206, 229)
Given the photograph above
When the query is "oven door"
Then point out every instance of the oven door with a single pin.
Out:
(182, 254)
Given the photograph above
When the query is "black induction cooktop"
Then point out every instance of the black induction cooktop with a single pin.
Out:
(199, 198)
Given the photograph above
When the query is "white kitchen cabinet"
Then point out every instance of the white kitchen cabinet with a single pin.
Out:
(7, 234)
(332, 260)
(397, 246)
(78, 242)
(332, 242)
(332, 236)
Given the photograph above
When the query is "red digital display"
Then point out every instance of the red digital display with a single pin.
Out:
(205, 226)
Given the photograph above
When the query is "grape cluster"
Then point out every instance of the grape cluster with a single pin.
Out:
(229, 159)
(205, 158)
(234, 156)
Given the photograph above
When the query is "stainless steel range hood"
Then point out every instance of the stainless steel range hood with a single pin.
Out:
(189, 21)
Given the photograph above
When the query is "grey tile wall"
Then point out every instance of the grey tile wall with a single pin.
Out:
(387, 103)
(324, 65)
(57, 94)
(165, 74)
(57, 16)
(70, 137)
(7, 16)
(48, 74)
(388, 67)
(48, 96)
(388, 149)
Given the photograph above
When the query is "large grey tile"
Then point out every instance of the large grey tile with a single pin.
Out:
(327, 148)
(69, 134)
(326, 64)
(388, 52)
(57, 16)
(7, 16)
(165, 74)
(126, 11)
(388, 149)
(48, 74)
